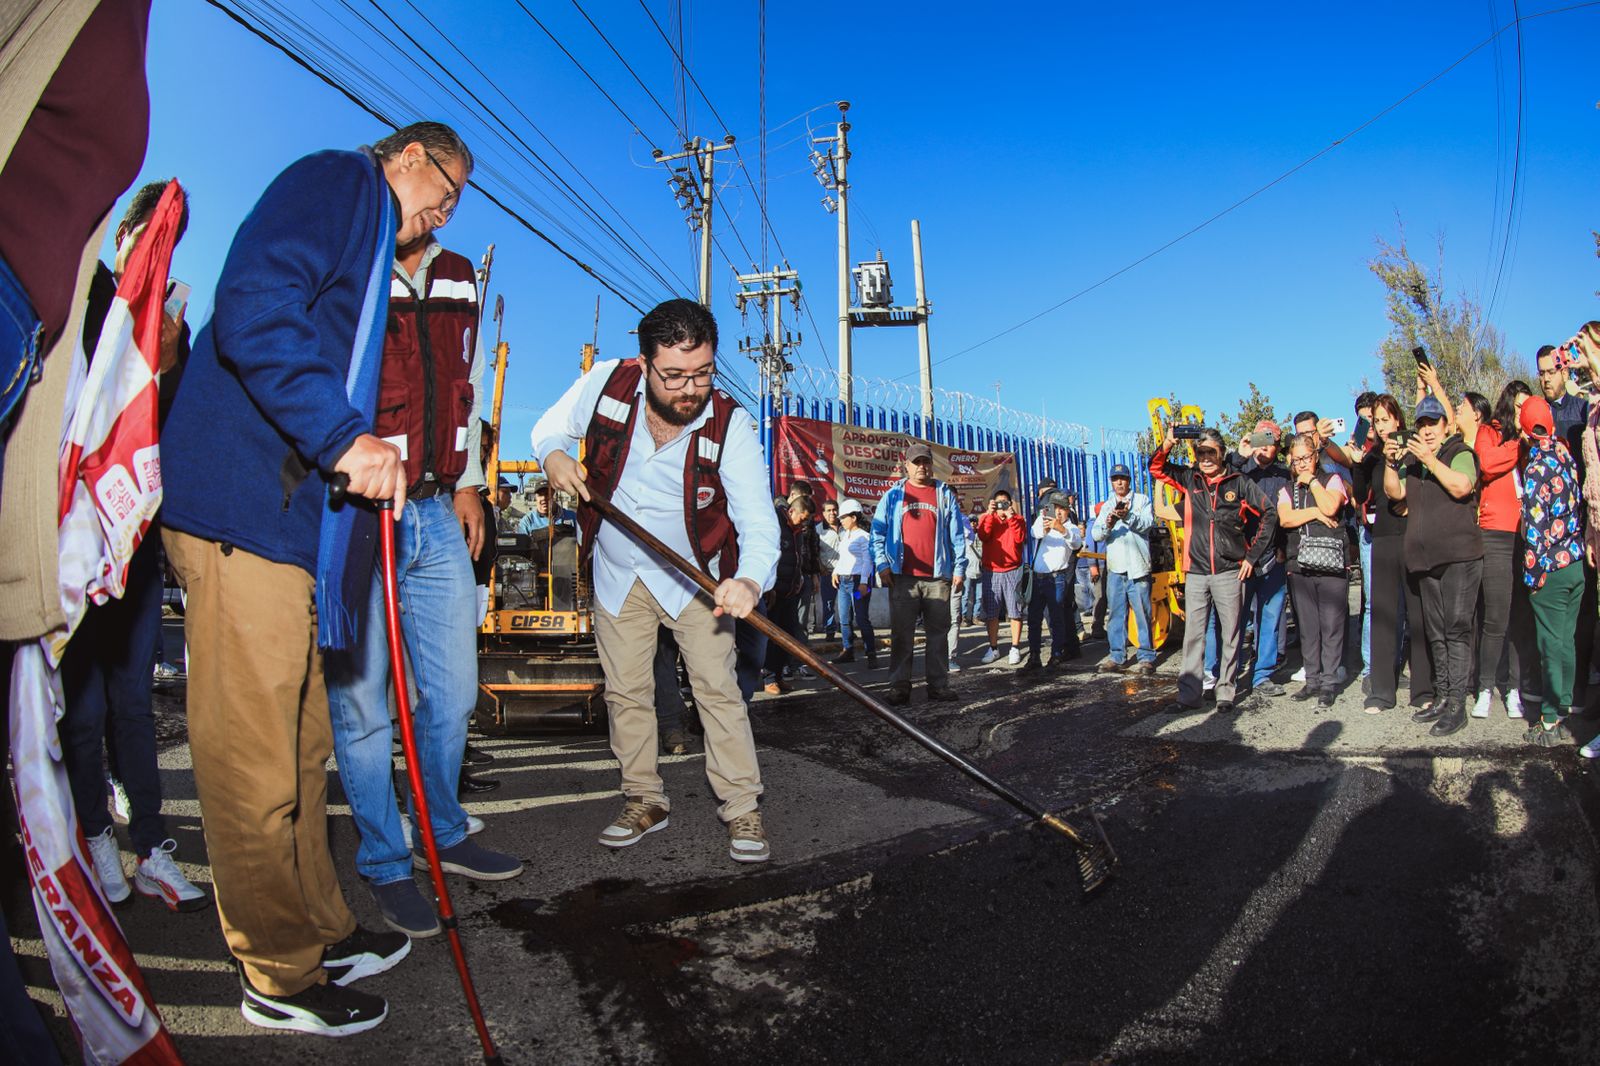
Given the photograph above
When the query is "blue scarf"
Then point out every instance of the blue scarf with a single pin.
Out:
(350, 531)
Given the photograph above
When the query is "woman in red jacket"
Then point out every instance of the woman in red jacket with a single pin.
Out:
(1504, 600)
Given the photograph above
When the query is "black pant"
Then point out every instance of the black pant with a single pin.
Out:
(785, 613)
(1322, 606)
(1392, 587)
(1505, 614)
(1449, 600)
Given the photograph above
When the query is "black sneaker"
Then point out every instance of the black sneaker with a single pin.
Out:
(897, 698)
(321, 1010)
(1306, 692)
(1555, 736)
(362, 954)
(1270, 689)
(1430, 712)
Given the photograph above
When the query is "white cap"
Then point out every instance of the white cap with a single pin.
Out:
(849, 507)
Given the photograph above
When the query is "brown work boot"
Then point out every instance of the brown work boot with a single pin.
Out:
(637, 819)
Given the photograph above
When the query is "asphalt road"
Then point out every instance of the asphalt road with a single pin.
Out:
(1295, 887)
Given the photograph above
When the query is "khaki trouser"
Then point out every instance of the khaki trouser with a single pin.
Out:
(627, 644)
(260, 739)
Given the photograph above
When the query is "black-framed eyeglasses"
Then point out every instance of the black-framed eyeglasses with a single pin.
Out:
(677, 380)
(452, 199)
(1303, 459)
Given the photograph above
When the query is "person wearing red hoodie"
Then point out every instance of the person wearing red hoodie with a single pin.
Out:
(1501, 663)
(1004, 536)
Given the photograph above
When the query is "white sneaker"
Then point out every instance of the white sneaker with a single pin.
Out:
(990, 654)
(474, 825)
(157, 875)
(108, 866)
(121, 809)
(1514, 704)
(1015, 657)
(167, 672)
(1481, 708)
(1591, 750)
(955, 667)
(1298, 675)
(804, 672)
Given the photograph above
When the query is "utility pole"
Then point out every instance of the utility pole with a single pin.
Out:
(771, 354)
(924, 352)
(831, 171)
(695, 193)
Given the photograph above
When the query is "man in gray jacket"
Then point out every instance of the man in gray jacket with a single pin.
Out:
(1123, 526)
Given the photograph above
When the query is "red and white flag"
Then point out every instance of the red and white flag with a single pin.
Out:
(110, 477)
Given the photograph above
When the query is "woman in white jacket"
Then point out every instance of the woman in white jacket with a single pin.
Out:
(852, 578)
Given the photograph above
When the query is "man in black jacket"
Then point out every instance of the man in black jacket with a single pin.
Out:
(1218, 506)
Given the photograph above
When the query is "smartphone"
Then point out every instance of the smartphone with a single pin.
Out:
(1420, 354)
(177, 297)
(1338, 425)
(1402, 437)
(1363, 428)
(1186, 432)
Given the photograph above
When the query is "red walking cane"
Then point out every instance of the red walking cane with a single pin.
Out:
(408, 740)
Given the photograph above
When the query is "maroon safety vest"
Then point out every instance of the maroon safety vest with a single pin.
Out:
(425, 386)
(705, 501)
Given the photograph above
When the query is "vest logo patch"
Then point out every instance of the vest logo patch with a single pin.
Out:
(1230, 496)
(703, 497)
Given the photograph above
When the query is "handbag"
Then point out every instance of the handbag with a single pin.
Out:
(1321, 550)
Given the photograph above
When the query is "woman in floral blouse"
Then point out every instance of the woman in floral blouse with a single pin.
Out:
(1552, 562)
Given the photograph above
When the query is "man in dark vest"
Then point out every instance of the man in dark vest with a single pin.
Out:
(683, 459)
(426, 409)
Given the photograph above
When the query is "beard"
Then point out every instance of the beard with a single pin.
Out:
(676, 409)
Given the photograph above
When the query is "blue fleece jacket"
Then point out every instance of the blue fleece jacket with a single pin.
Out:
(263, 396)
(949, 547)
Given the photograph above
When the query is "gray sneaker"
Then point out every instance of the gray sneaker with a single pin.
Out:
(1270, 688)
(404, 910)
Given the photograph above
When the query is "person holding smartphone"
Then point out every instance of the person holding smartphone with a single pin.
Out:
(1123, 526)
(1004, 536)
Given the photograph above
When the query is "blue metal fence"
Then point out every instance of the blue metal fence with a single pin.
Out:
(1075, 469)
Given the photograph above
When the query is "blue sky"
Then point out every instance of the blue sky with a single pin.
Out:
(1042, 150)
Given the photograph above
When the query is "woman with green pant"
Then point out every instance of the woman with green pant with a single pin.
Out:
(1552, 558)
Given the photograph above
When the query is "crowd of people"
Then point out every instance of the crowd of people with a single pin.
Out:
(1472, 526)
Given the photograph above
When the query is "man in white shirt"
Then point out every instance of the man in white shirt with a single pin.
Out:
(1056, 541)
(657, 435)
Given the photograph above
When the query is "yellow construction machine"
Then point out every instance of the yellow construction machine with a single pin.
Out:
(1166, 539)
(538, 667)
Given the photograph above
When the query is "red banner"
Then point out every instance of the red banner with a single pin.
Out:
(854, 462)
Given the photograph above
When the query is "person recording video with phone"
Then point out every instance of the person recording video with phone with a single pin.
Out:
(1396, 594)
(1436, 475)
(1219, 556)
(1123, 525)
(1004, 536)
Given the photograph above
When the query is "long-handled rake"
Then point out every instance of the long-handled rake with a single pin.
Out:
(1096, 859)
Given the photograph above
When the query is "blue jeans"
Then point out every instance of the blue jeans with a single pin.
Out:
(1122, 595)
(750, 653)
(106, 677)
(830, 603)
(1266, 593)
(1052, 592)
(438, 605)
(850, 605)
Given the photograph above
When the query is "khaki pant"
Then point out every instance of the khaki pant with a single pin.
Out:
(260, 739)
(627, 644)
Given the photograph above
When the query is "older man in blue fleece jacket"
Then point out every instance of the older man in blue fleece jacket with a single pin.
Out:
(278, 397)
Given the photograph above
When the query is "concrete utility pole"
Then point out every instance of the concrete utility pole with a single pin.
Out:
(695, 194)
(924, 353)
(832, 172)
(771, 354)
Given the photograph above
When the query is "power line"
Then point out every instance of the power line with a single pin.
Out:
(387, 121)
(582, 68)
(659, 105)
(1516, 178)
(1275, 181)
